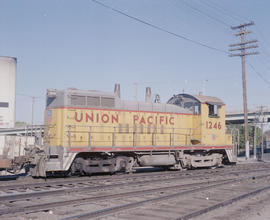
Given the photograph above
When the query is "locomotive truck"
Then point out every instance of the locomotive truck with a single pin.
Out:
(91, 131)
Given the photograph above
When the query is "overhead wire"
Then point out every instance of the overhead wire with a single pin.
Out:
(159, 28)
(226, 24)
(263, 43)
(197, 10)
(259, 74)
(204, 13)
(238, 18)
(223, 10)
(263, 61)
(231, 14)
(176, 34)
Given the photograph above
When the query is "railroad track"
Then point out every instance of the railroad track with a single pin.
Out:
(153, 208)
(99, 196)
(29, 184)
(31, 190)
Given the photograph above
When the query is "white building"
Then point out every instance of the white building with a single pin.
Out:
(7, 91)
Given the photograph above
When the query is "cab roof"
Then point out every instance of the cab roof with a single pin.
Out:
(208, 99)
(182, 98)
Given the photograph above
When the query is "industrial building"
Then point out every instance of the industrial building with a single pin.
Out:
(7, 91)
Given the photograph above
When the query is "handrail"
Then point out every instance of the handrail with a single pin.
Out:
(89, 140)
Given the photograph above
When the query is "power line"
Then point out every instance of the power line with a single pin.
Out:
(236, 17)
(206, 14)
(264, 50)
(259, 74)
(215, 6)
(158, 27)
(223, 10)
(226, 12)
(175, 34)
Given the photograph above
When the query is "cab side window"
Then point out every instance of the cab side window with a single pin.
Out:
(213, 110)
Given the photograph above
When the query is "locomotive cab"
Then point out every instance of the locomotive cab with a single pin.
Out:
(209, 126)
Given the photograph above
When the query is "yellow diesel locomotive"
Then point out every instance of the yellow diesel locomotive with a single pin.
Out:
(92, 132)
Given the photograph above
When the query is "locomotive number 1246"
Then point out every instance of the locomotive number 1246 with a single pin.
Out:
(211, 125)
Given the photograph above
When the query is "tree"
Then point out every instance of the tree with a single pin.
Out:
(250, 134)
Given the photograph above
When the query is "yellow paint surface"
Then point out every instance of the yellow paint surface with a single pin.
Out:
(93, 127)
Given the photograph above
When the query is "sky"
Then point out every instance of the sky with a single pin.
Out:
(81, 44)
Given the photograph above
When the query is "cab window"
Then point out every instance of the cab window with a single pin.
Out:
(213, 110)
(49, 101)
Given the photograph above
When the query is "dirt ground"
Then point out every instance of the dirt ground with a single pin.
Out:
(253, 208)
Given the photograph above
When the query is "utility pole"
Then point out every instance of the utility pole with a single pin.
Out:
(33, 104)
(243, 46)
(255, 140)
(256, 120)
(262, 121)
(33, 98)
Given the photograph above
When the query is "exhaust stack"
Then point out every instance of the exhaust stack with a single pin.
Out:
(148, 95)
(117, 90)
